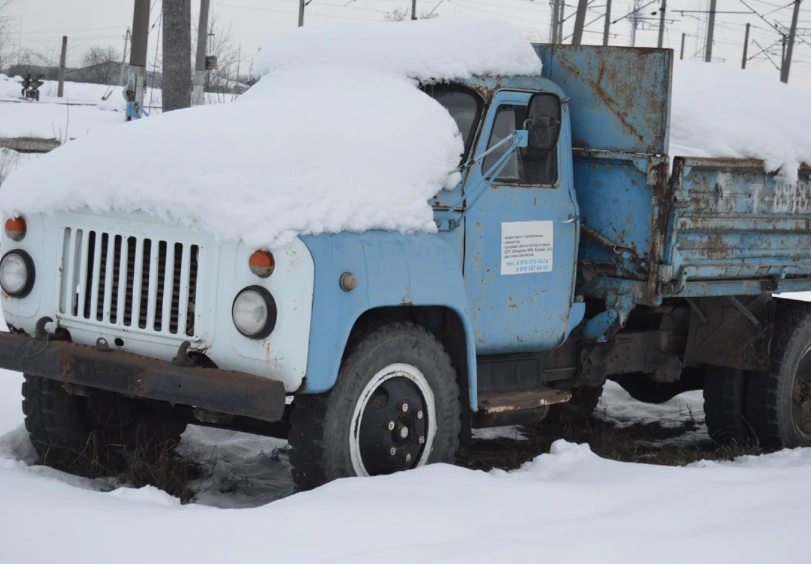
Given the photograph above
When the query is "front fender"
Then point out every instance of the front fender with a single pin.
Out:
(392, 270)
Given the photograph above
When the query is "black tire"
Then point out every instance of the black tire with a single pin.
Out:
(61, 425)
(583, 403)
(321, 424)
(725, 405)
(129, 424)
(56, 421)
(779, 399)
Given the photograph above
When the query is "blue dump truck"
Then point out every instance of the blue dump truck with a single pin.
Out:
(574, 250)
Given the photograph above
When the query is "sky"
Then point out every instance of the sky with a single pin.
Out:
(40, 24)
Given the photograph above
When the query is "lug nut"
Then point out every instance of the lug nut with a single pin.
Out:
(404, 407)
(421, 440)
(408, 458)
(419, 414)
(390, 426)
(392, 451)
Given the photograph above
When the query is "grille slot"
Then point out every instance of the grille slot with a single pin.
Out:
(127, 281)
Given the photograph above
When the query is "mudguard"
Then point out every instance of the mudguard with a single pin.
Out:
(392, 270)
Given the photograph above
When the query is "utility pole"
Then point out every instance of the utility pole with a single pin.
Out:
(782, 54)
(710, 31)
(124, 56)
(745, 47)
(413, 10)
(198, 92)
(681, 56)
(561, 15)
(579, 22)
(140, 34)
(607, 24)
(635, 21)
(176, 85)
(301, 12)
(786, 66)
(662, 24)
(62, 58)
(553, 33)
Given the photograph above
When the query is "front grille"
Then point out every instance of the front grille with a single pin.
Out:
(129, 281)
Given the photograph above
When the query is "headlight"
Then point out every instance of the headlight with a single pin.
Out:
(254, 312)
(17, 273)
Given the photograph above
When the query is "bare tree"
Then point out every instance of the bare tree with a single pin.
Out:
(402, 14)
(101, 65)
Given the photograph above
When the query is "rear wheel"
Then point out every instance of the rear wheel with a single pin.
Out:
(725, 405)
(779, 399)
(395, 406)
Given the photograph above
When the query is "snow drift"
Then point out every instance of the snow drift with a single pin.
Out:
(424, 49)
(722, 111)
(319, 145)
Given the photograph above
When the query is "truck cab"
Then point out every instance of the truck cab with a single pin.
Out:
(566, 255)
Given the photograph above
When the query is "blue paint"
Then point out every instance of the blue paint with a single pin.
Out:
(392, 270)
(520, 312)
(620, 97)
(598, 326)
(716, 228)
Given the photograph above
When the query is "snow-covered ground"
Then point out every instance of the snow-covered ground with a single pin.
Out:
(83, 109)
(568, 505)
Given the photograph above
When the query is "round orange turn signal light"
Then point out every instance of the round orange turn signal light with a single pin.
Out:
(15, 228)
(261, 263)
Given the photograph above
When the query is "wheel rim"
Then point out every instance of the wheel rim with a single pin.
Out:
(801, 396)
(394, 422)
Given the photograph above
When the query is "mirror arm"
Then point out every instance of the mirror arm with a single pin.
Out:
(473, 161)
(517, 140)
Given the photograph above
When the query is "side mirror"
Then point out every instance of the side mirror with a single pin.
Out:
(543, 121)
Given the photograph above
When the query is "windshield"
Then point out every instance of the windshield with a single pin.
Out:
(463, 105)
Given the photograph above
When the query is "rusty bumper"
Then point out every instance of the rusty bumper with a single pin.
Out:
(234, 393)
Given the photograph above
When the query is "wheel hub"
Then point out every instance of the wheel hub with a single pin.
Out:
(393, 427)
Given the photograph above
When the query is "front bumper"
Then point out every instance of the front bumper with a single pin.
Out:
(223, 391)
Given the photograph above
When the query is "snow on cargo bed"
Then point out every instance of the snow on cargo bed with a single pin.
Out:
(318, 145)
(722, 111)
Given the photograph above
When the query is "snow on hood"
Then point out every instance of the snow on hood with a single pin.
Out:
(308, 151)
(335, 137)
(722, 111)
(437, 49)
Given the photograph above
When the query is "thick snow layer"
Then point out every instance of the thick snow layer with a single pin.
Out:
(569, 505)
(305, 151)
(435, 49)
(722, 111)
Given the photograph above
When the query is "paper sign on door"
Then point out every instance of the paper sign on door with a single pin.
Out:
(526, 247)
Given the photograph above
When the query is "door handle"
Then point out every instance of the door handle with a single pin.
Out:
(572, 218)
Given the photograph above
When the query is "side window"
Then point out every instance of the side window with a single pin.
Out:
(525, 166)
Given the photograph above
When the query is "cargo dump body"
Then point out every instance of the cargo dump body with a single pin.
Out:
(649, 231)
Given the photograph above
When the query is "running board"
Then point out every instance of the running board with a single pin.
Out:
(516, 408)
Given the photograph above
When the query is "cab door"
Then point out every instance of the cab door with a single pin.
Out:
(521, 239)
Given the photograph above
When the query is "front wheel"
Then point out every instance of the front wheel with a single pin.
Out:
(395, 406)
